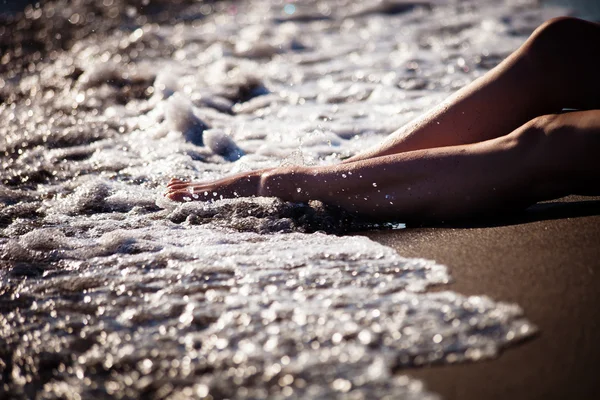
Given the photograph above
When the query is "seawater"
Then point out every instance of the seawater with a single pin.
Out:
(108, 290)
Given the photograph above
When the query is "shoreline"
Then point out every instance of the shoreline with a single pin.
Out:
(547, 260)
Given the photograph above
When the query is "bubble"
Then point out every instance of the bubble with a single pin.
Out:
(289, 9)
(108, 273)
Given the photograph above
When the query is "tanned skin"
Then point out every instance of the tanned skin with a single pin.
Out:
(500, 143)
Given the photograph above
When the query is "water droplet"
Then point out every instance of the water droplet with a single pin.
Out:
(341, 385)
(289, 9)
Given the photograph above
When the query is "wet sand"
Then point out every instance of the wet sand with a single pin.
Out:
(548, 261)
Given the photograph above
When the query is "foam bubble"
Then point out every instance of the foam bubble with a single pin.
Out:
(44, 239)
(247, 298)
(180, 117)
(222, 144)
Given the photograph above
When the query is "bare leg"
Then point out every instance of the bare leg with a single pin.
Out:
(557, 67)
(549, 157)
(464, 164)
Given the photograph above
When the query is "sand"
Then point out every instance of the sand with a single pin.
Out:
(548, 261)
(86, 253)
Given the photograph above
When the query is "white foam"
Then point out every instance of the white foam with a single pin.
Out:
(220, 143)
(180, 117)
(232, 297)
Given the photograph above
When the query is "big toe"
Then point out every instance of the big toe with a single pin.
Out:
(175, 195)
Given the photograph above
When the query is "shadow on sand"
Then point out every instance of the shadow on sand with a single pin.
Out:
(568, 207)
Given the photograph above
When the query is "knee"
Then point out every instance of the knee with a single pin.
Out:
(556, 29)
(559, 25)
(538, 135)
(558, 37)
(555, 138)
(540, 148)
(535, 130)
(560, 152)
(561, 53)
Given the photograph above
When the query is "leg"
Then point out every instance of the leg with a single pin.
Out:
(557, 67)
(548, 157)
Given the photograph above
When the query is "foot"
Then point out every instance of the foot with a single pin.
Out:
(241, 185)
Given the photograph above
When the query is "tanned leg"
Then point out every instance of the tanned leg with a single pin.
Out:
(556, 68)
(464, 164)
(549, 157)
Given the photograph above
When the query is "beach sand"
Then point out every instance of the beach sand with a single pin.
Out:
(548, 261)
(107, 290)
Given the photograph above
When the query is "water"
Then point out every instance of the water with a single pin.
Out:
(110, 290)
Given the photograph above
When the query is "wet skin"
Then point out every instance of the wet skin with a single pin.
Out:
(500, 143)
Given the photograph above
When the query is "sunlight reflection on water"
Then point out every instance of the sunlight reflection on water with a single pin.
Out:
(109, 289)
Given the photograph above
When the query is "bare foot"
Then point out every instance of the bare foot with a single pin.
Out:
(245, 184)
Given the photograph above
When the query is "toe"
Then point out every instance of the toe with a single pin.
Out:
(174, 195)
(179, 186)
(175, 181)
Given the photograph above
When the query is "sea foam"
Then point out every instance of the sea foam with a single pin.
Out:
(108, 289)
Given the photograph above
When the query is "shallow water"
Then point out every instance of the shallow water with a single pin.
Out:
(110, 290)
